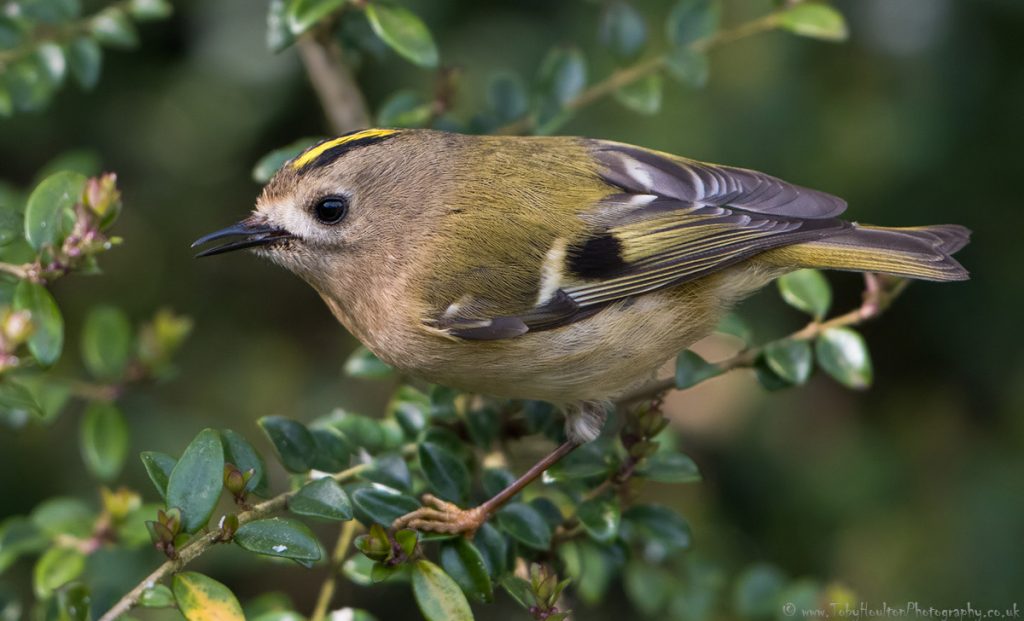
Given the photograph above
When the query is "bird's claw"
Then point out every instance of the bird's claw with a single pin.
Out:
(441, 516)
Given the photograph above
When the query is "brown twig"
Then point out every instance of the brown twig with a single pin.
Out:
(340, 97)
(877, 298)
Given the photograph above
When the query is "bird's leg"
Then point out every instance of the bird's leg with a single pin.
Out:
(440, 516)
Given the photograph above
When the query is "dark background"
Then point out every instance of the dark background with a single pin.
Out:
(908, 491)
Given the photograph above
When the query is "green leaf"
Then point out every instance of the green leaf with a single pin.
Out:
(688, 66)
(642, 96)
(107, 343)
(600, 517)
(658, 525)
(55, 568)
(159, 467)
(438, 596)
(363, 364)
(622, 29)
(85, 58)
(526, 525)
(649, 587)
(670, 467)
(843, 354)
(506, 97)
(50, 11)
(383, 505)
(520, 590)
(52, 61)
(157, 596)
(333, 449)
(281, 537)
(790, 359)
(391, 471)
(294, 444)
(47, 338)
(493, 548)
(358, 568)
(104, 440)
(322, 498)
(270, 163)
(590, 566)
(769, 379)
(244, 456)
(404, 32)
(72, 603)
(757, 591)
(446, 474)
(464, 563)
(201, 598)
(148, 10)
(196, 481)
(17, 401)
(50, 206)
(19, 536)
(692, 20)
(691, 369)
(304, 14)
(410, 408)
(815, 20)
(404, 108)
(279, 34)
(590, 460)
(562, 75)
(113, 28)
(57, 517)
(806, 290)
(734, 325)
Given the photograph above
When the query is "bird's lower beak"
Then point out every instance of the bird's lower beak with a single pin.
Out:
(248, 234)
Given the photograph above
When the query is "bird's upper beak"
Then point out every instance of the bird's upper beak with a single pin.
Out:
(247, 233)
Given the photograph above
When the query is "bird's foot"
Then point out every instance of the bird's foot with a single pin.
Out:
(440, 516)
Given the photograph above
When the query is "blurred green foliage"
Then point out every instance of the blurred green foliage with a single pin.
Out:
(900, 493)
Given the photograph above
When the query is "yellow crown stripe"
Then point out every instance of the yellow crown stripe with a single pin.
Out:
(319, 149)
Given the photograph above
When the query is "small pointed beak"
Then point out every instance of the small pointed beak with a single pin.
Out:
(248, 235)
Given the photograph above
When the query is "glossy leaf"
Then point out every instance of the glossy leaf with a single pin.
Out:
(279, 34)
(670, 467)
(55, 568)
(304, 14)
(104, 440)
(281, 537)
(106, 343)
(321, 498)
(506, 97)
(600, 517)
(643, 95)
(590, 460)
(816, 20)
(404, 32)
(238, 451)
(18, 401)
(648, 586)
(195, 483)
(294, 444)
(757, 590)
(47, 339)
(691, 369)
(383, 505)
(806, 290)
(363, 364)
(391, 471)
(520, 590)
(526, 525)
(148, 10)
(688, 66)
(159, 467)
(157, 596)
(113, 28)
(790, 359)
(843, 354)
(464, 563)
(562, 75)
(63, 516)
(333, 449)
(49, 206)
(404, 108)
(657, 524)
(270, 163)
(622, 29)
(438, 596)
(493, 548)
(201, 598)
(410, 408)
(692, 20)
(445, 472)
(734, 325)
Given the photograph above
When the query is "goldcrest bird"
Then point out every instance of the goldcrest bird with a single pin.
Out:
(553, 268)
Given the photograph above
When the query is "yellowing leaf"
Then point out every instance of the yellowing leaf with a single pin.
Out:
(201, 598)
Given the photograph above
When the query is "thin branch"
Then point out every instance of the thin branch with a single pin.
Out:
(55, 34)
(340, 97)
(323, 600)
(641, 69)
(877, 298)
(204, 542)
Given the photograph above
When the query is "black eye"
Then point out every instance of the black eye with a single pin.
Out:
(331, 210)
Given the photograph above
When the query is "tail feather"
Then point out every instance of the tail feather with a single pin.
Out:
(921, 252)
